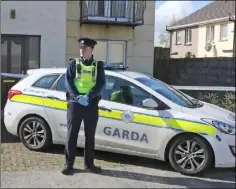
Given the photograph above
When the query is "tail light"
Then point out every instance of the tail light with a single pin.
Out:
(12, 93)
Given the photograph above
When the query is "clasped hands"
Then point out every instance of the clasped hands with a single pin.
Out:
(83, 100)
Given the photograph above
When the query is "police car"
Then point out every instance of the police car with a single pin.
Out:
(155, 121)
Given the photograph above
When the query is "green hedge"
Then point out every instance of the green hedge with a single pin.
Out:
(227, 101)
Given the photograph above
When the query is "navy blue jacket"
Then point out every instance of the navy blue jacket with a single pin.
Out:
(95, 92)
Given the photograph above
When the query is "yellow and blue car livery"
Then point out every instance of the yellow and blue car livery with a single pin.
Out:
(178, 124)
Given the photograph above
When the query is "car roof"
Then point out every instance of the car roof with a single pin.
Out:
(44, 71)
(47, 70)
(133, 74)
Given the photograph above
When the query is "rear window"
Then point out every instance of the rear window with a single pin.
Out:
(46, 82)
(61, 84)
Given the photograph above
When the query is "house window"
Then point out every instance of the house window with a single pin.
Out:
(111, 9)
(110, 51)
(223, 32)
(188, 36)
(118, 9)
(210, 34)
(34, 52)
(101, 8)
(178, 37)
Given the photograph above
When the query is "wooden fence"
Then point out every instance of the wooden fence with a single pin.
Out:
(194, 71)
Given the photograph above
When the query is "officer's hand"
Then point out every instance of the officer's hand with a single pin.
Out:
(78, 97)
(83, 100)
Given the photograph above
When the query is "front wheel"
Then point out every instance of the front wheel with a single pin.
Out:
(190, 155)
(35, 134)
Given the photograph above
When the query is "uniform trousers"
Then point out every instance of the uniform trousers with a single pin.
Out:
(77, 113)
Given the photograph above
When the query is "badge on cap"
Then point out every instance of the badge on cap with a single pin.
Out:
(82, 41)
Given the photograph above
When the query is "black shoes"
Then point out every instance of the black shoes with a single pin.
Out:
(67, 170)
(93, 169)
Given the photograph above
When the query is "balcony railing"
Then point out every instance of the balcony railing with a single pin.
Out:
(123, 12)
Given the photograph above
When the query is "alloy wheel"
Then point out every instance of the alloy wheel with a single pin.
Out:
(34, 134)
(189, 155)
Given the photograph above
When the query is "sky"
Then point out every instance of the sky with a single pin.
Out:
(166, 9)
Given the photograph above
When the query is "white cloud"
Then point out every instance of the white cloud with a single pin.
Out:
(165, 12)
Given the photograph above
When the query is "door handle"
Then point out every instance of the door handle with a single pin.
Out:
(105, 109)
(52, 97)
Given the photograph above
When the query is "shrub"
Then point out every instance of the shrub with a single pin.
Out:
(227, 101)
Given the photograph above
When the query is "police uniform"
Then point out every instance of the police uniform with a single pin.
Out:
(84, 79)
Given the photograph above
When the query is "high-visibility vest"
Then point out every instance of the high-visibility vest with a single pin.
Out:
(86, 76)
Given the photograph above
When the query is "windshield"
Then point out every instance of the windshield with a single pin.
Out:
(169, 92)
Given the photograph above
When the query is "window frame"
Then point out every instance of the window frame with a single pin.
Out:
(39, 51)
(56, 74)
(211, 37)
(25, 52)
(178, 43)
(226, 38)
(108, 47)
(107, 14)
(109, 43)
(160, 102)
(188, 34)
(54, 87)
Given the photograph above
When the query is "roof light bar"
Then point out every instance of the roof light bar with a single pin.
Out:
(113, 66)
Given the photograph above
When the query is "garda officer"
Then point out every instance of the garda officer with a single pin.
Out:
(84, 81)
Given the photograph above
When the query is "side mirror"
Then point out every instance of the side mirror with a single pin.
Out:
(150, 103)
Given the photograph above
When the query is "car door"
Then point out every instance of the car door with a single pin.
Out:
(56, 109)
(129, 126)
(37, 91)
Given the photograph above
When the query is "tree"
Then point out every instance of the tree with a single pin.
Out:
(164, 37)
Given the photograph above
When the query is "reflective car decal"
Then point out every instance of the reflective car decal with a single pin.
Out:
(126, 134)
(138, 118)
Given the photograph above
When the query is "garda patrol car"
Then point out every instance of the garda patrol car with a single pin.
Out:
(153, 120)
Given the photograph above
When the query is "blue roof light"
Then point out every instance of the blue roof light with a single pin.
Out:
(113, 66)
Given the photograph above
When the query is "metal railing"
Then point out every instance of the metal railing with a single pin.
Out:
(123, 12)
(204, 88)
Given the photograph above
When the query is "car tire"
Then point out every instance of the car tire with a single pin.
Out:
(42, 132)
(200, 145)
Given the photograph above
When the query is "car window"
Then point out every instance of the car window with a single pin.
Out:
(61, 84)
(46, 82)
(167, 91)
(107, 90)
(109, 82)
(136, 91)
(125, 92)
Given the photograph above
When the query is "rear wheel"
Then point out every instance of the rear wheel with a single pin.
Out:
(35, 134)
(190, 155)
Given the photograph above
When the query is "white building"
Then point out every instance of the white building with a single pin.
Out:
(32, 34)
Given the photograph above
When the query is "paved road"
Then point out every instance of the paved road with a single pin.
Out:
(24, 168)
(124, 177)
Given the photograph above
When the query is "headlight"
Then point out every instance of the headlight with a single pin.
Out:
(223, 127)
(232, 117)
